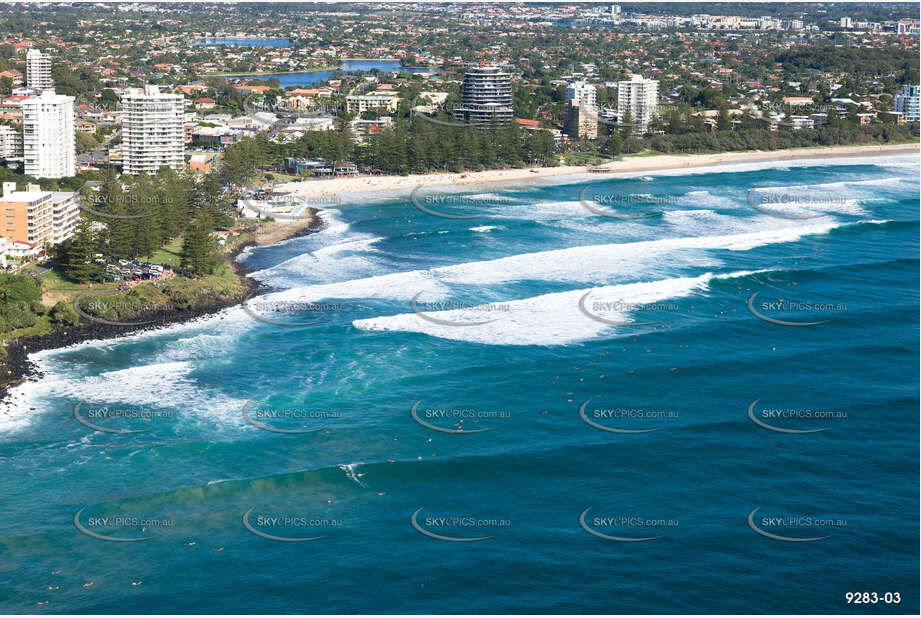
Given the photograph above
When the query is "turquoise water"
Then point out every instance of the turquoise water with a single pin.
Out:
(477, 324)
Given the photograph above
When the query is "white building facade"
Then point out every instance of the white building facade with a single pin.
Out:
(65, 211)
(152, 130)
(38, 71)
(907, 102)
(583, 92)
(641, 98)
(10, 143)
(48, 139)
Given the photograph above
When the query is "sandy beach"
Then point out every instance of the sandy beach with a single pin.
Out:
(338, 187)
(279, 230)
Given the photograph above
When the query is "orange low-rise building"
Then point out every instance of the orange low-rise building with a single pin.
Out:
(27, 216)
(201, 162)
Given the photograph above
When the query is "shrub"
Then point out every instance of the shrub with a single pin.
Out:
(65, 313)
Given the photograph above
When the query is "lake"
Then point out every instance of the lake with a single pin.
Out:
(311, 78)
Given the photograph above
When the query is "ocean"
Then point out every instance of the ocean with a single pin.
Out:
(692, 391)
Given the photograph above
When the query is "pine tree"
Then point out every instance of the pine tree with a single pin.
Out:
(722, 120)
(77, 254)
(674, 122)
(199, 251)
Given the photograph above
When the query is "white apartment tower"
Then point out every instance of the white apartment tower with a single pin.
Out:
(907, 102)
(486, 97)
(641, 97)
(48, 136)
(38, 71)
(152, 130)
(10, 143)
(581, 91)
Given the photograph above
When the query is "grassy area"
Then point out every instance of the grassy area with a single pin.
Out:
(169, 255)
(585, 158)
(277, 177)
(41, 327)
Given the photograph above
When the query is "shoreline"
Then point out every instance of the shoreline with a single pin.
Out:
(260, 73)
(398, 185)
(16, 368)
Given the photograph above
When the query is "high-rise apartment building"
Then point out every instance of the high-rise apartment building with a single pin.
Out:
(65, 211)
(581, 120)
(907, 102)
(486, 97)
(48, 135)
(38, 71)
(641, 98)
(581, 91)
(10, 143)
(152, 130)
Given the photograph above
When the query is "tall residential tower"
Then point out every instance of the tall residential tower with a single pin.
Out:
(486, 97)
(152, 133)
(907, 102)
(641, 98)
(48, 139)
(38, 71)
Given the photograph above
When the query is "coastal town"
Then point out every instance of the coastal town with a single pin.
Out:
(348, 308)
(216, 121)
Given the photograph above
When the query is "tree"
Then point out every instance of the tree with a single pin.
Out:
(199, 251)
(674, 122)
(76, 254)
(615, 145)
(85, 142)
(627, 128)
(722, 120)
(108, 99)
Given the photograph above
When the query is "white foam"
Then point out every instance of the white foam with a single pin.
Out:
(550, 319)
(337, 253)
(392, 286)
(486, 228)
(165, 387)
(897, 160)
(590, 264)
(598, 262)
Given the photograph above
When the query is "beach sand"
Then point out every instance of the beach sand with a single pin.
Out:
(279, 230)
(341, 188)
